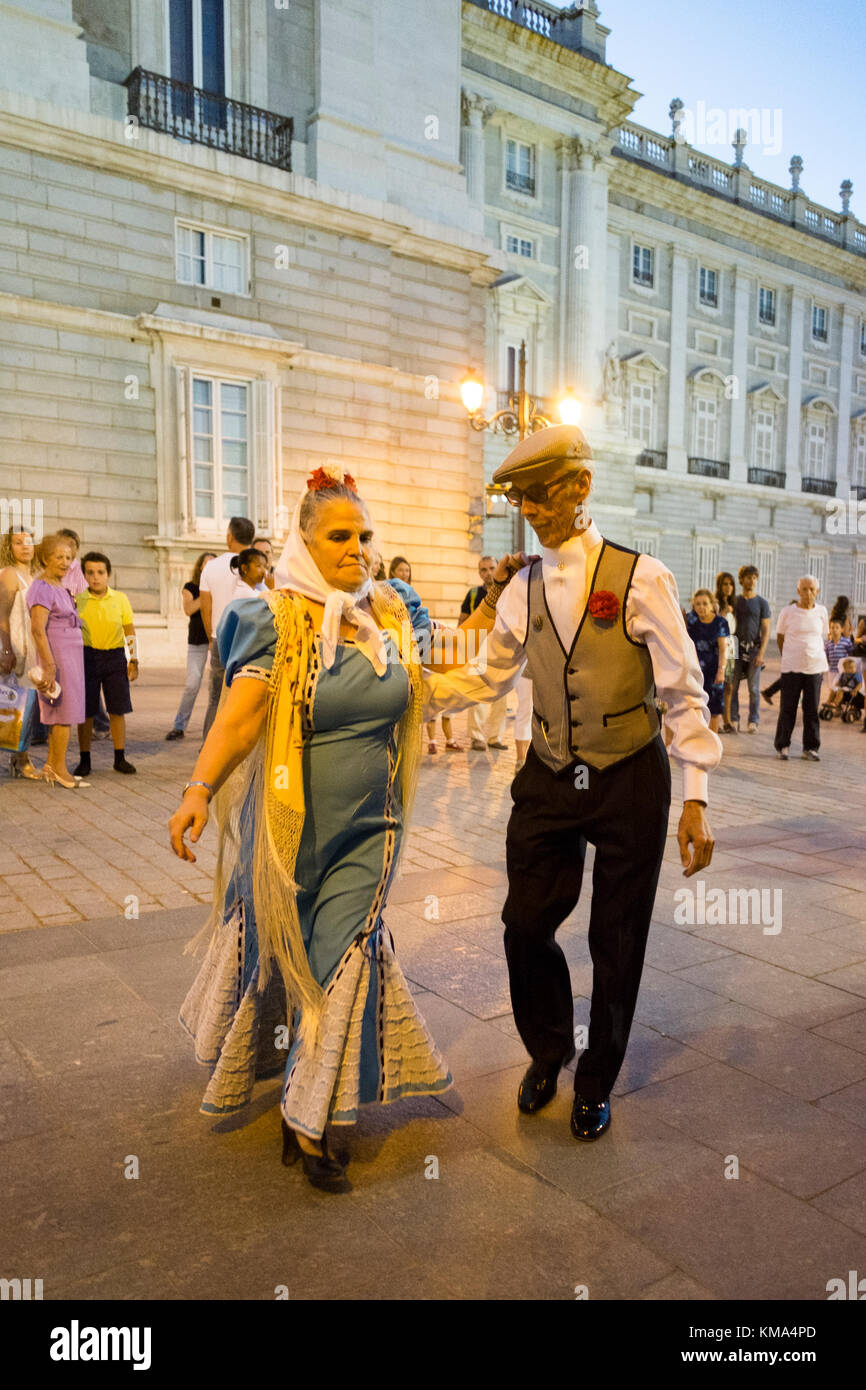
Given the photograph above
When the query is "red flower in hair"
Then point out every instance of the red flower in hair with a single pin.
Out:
(329, 476)
(603, 605)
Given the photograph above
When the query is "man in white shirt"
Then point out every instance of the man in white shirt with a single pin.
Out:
(802, 628)
(600, 632)
(216, 590)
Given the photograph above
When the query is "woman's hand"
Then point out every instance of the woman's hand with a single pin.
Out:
(192, 815)
(509, 565)
(48, 675)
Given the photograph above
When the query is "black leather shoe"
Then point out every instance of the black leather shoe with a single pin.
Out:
(589, 1118)
(539, 1084)
(321, 1170)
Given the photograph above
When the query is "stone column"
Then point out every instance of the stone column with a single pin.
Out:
(739, 368)
(677, 394)
(795, 392)
(476, 111)
(843, 429)
(584, 256)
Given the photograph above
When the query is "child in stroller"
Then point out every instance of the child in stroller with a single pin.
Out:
(845, 696)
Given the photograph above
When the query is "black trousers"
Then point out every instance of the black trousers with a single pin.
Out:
(794, 685)
(623, 812)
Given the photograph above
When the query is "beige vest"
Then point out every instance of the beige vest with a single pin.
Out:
(596, 702)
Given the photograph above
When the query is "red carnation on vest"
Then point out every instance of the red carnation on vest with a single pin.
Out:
(603, 605)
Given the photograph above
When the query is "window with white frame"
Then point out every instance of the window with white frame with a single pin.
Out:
(858, 455)
(819, 323)
(816, 449)
(764, 439)
(816, 565)
(646, 545)
(220, 449)
(765, 560)
(519, 245)
(643, 265)
(706, 427)
(641, 412)
(706, 565)
(217, 260)
(767, 306)
(708, 287)
(860, 583)
(520, 167)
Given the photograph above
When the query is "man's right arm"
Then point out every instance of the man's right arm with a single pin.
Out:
(206, 600)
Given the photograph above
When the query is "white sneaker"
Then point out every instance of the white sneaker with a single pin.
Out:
(753, 728)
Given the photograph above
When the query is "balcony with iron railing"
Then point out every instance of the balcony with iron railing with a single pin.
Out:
(767, 477)
(205, 118)
(520, 183)
(736, 182)
(653, 458)
(859, 491)
(709, 468)
(574, 28)
(824, 487)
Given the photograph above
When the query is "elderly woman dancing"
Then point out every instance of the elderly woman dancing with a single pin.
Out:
(312, 760)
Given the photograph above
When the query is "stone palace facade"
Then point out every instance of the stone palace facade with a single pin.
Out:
(239, 238)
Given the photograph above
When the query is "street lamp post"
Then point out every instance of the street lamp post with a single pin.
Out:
(520, 417)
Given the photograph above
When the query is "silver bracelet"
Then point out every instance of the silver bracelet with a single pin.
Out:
(207, 785)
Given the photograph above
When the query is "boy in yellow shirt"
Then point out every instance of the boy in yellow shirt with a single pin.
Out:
(106, 616)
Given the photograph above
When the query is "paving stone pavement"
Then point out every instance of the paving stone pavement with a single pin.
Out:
(748, 1054)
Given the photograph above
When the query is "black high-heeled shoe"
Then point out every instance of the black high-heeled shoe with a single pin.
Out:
(321, 1170)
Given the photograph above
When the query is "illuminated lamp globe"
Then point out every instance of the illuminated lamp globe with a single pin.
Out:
(570, 409)
(472, 392)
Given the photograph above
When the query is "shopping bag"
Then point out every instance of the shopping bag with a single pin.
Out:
(13, 709)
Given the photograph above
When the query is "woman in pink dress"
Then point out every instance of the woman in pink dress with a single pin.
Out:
(59, 645)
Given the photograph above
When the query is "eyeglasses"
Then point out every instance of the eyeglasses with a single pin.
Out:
(539, 494)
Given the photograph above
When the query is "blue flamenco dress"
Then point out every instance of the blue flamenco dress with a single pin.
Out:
(373, 1046)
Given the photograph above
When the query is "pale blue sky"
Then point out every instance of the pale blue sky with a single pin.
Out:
(802, 59)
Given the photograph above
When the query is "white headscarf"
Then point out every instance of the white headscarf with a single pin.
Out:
(297, 570)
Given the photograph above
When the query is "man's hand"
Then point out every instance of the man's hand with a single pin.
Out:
(132, 670)
(694, 830)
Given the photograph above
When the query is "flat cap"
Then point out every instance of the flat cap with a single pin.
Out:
(556, 449)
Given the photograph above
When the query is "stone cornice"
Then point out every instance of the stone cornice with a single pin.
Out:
(97, 143)
(683, 200)
(521, 50)
(79, 318)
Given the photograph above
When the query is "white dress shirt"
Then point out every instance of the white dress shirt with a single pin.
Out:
(653, 616)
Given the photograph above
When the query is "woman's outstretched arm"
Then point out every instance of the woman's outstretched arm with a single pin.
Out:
(233, 736)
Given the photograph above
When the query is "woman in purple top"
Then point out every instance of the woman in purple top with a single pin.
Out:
(56, 629)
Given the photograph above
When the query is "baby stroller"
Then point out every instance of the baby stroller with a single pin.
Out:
(850, 707)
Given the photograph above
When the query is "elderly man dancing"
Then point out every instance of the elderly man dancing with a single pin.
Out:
(599, 630)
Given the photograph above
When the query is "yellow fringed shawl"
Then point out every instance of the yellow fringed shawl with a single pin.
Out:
(275, 772)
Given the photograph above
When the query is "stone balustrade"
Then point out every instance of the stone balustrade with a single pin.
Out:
(737, 182)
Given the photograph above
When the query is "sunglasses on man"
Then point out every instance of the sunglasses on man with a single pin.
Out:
(539, 494)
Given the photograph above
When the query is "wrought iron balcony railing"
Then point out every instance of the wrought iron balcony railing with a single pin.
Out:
(709, 468)
(206, 118)
(859, 491)
(520, 183)
(653, 458)
(825, 487)
(767, 477)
